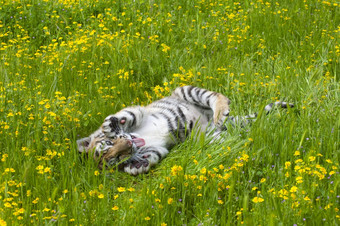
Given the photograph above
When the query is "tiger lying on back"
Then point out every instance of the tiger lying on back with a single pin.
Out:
(151, 131)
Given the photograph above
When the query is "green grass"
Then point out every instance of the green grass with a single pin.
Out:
(66, 65)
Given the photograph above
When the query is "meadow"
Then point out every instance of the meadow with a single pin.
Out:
(65, 65)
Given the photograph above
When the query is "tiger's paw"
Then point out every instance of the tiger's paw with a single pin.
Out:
(221, 111)
(136, 167)
(111, 126)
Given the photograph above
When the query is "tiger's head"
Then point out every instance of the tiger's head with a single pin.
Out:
(109, 151)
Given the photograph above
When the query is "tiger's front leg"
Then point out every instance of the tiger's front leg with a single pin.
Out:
(144, 159)
(124, 121)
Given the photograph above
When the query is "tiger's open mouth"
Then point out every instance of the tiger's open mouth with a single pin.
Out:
(138, 141)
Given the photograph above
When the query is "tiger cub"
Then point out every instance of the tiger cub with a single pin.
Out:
(153, 130)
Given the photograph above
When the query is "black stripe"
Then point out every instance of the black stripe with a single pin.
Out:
(181, 131)
(181, 114)
(198, 90)
(184, 120)
(208, 101)
(157, 153)
(203, 93)
(203, 107)
(133, 117)
(168, 109)
(183, 94)
(167, 102)
(208, 98)
(196, 100)
(170, 126)
(154, 115)
(190, 94)
(191, 125)
(284, 104)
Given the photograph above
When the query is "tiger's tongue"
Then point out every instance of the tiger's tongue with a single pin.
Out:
(139, 142)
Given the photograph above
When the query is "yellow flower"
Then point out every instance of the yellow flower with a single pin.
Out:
(311, 158)
(258, 199)
(115, 208)
(175, 170)
(263, 180)
(101, 196)
(296, 153)
(287, 164)
(299, 180)
(35, 201)
(147, 218)
(121, 189)
(8, 205)
(163, 224)
(170, 201)
(96, 173)
(293, 189)
(2, 222)
(165, 48)
(131, 189)
(306, 198)
(220, 202)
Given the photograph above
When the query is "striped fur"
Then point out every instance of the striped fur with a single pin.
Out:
(165, 123)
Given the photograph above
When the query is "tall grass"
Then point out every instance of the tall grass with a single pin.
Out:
(65, 65)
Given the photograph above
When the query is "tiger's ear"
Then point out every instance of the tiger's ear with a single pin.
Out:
(83, 144)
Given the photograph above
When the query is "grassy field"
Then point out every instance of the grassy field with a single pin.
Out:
(65, 65)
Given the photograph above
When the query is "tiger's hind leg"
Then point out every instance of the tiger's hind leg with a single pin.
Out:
(206, 99)
(144, 159)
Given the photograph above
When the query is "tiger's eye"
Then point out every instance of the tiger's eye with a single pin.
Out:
(108, 142)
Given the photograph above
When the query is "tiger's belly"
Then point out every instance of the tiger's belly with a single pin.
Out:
(161, 129)
(154, 132)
